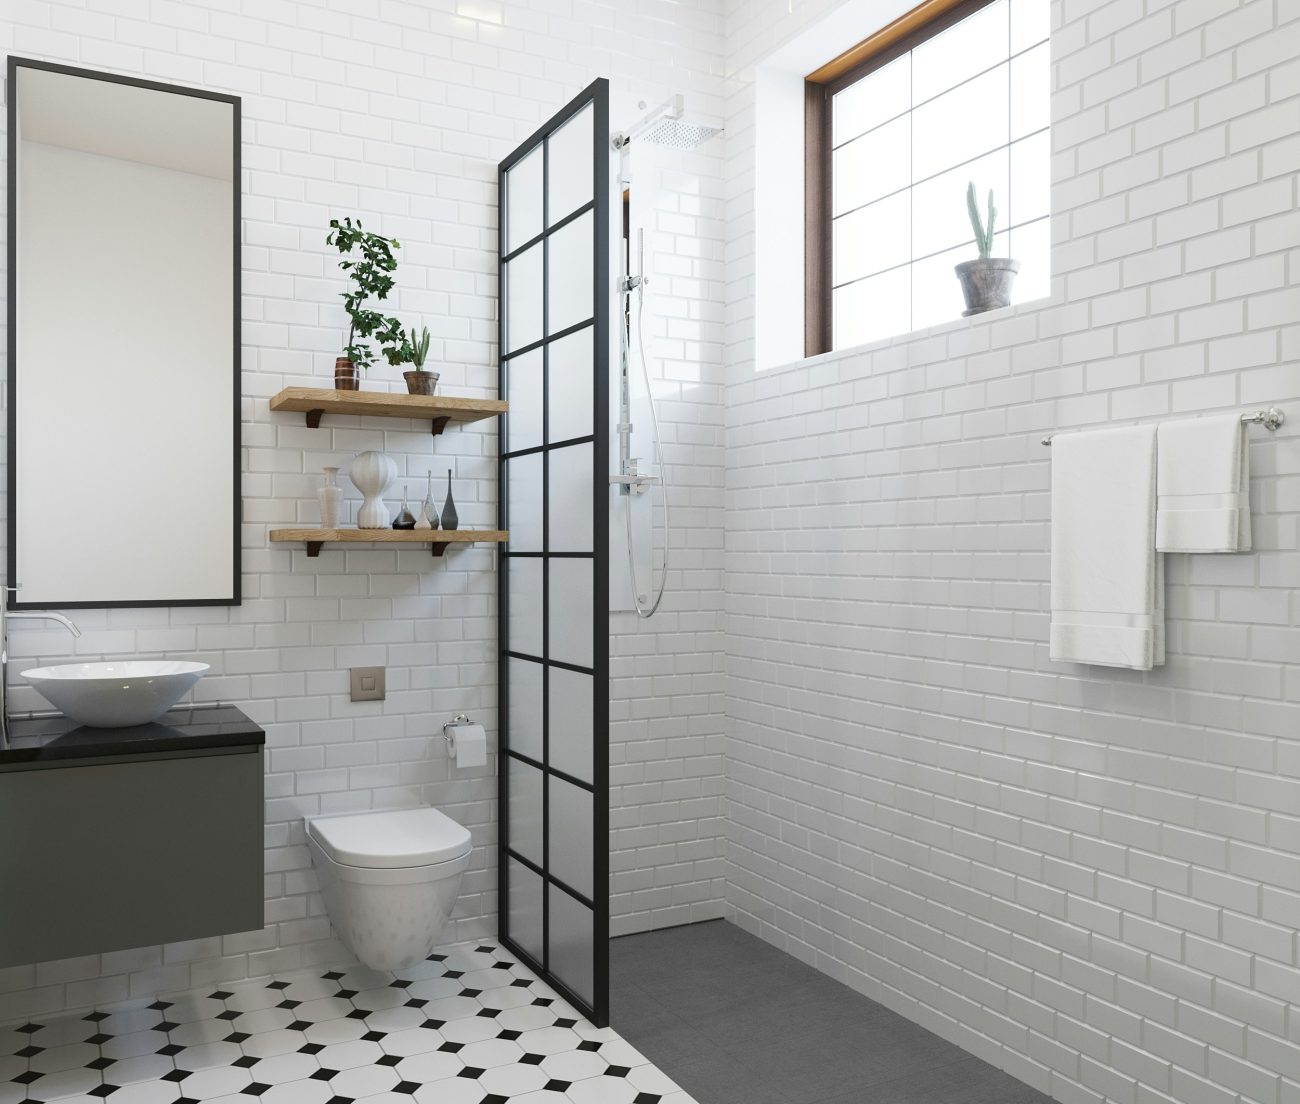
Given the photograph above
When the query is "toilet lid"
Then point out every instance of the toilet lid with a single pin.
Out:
(391, 838)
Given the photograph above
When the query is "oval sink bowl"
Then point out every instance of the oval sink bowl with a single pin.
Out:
(115, 695)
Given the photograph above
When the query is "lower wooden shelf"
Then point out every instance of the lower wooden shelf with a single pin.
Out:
(437, 539)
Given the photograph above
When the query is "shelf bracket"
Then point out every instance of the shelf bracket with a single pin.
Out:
(439, 548)
(313, 549)
(313, 418)
(439, 424)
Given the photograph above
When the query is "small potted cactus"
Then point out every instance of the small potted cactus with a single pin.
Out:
(986, 281)
(416, 349)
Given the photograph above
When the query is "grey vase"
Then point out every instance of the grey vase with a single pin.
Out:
(450, 520)
(986, 283)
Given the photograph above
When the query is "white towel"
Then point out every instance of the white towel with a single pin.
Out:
(1203, 485)
(1107, 578)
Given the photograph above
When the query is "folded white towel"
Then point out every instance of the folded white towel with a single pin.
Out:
(1107, 578)
(1203, 485)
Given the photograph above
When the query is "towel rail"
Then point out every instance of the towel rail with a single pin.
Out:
(1271, 419)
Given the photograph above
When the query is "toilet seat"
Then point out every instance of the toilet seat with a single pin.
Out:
(390, 839)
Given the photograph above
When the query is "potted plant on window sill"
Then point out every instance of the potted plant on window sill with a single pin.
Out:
(369, 275)
(986, 281)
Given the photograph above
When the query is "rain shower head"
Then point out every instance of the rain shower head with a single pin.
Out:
(678, 134)
(667, 126)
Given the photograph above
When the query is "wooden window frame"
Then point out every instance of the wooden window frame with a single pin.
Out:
(820, 86)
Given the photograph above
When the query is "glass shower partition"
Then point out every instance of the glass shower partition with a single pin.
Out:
(556, 284)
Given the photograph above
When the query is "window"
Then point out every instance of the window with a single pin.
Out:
(954, 91)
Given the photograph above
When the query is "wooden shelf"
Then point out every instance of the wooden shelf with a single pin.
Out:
(437, 538)
(440, 409)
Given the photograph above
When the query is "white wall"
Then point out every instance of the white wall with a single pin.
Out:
(397, 112)
(1087, 877)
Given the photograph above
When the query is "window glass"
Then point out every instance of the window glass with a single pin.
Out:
(969, 103)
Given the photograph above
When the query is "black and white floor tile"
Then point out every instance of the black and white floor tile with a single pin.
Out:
(469, 1026)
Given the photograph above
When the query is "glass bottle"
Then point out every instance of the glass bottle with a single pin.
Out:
(330, 497)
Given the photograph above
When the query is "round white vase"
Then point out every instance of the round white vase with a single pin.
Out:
(372, 473)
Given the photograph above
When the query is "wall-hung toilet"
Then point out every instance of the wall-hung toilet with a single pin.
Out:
(390, 879)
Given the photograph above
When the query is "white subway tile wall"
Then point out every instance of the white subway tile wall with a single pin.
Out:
(1086, 877)
(399, 112)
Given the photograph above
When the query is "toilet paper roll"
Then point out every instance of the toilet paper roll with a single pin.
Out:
(467, 744)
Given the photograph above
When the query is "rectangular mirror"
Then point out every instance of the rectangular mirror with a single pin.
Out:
(123, 341)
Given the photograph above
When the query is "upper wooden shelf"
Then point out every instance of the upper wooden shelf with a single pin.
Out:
(440, 409)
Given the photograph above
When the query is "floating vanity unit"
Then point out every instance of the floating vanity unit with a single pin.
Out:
(129, 837)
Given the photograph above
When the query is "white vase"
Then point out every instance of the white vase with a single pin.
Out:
(372, 473)
(331, 497)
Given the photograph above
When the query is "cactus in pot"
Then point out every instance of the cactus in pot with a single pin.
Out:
(986, 281)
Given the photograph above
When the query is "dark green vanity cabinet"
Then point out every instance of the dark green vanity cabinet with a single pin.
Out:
(122, 838)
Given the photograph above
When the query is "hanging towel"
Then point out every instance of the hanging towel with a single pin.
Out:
(1107, 578)
(1203, 485)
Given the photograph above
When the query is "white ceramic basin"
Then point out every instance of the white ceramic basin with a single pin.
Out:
(114, 695)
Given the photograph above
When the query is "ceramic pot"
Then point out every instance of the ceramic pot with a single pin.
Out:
(346, 376)
(986, 283)
(420, 382)
(372, 473)
(330, 496)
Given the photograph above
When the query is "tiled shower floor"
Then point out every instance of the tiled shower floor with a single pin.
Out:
(469, 1026)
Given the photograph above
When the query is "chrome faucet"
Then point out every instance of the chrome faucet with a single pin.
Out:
(5, 618)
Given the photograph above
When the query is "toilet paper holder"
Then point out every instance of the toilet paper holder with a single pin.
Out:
(456, 721)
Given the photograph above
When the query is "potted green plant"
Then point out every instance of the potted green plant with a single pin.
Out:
(416, 347)
(369, 270)
(986, 281)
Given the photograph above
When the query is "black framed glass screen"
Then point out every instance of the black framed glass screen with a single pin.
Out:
(555, 277)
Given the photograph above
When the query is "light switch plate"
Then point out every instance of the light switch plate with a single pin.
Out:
(367, 683)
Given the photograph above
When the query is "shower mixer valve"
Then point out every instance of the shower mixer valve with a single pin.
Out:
(632, 481)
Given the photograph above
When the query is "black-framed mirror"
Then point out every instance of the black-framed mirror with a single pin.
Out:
(124, 341)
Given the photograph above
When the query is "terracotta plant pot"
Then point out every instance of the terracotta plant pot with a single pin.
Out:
(420, 382)
(346, 376)
(986, 283)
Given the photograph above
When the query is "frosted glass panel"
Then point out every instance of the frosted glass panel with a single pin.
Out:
(524, 393)
(572, 938)
(1031, 180)
(873, 238)
(525, 707)
(1031, 92)
(1031, 22)
(872, 308)
(873, 100)
(960, 124)
(572, 377)
(957, 54)
(569, 277)
(571, 499)
(571, 835)
(872, 166)
(523, 292)
(525, 596)
(570, 707)
(524, 502)
(1031, 245)
(572, 612)
(569, 167)
(524, 201)
(525, 907)
(526, 810)
(940, 219)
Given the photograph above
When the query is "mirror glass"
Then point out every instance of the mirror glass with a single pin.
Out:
(123, 341)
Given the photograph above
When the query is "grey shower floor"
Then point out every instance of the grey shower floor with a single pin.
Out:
(735, 1021)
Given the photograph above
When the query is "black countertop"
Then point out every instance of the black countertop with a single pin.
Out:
(50, 739)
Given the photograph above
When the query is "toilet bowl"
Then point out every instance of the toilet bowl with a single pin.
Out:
(390, 879)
